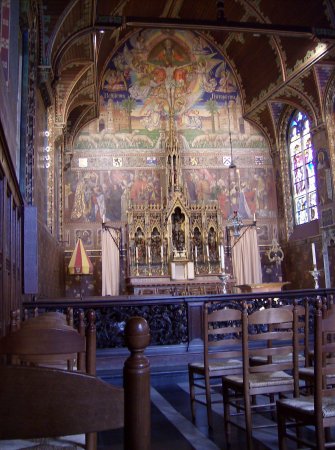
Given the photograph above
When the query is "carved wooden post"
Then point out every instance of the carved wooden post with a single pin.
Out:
(81, 331)
(91, 344)
(136, 380)
(69, 316)
(91, 349)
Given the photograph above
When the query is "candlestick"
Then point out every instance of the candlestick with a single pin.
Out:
(313, 254)
(315, 274)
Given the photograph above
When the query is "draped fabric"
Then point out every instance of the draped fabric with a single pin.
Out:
(110, 258)
(246, 258)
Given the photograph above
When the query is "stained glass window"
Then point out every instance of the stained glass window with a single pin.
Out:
(302, 169)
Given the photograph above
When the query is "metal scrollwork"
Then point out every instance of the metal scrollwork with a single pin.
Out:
(275, 253)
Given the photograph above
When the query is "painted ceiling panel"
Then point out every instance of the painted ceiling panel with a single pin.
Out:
(263, 64)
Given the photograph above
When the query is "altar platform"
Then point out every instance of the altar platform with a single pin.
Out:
(262, 287)
(164, 285)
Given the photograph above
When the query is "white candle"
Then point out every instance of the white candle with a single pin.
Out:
(162, 251)
(207, 251)
(136, 252)
(313, 254)
(149, 252)
(196, 252)
(254, 217)
(103, 218)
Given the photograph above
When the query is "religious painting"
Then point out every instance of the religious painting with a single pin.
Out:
(101, 196)
(157, 75)
(99, 237)
(85, 236)
(324, 178)
(263, 233)
(154, 82)
(249, 191)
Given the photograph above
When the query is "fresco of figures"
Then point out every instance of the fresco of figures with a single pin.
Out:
(104, 195)
(153, 77)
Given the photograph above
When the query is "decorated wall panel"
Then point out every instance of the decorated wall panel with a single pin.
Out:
(118, 160)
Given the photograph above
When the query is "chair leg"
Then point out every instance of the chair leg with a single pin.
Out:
(209, 402)
(192, 393)
(281, 426)
(248, 421)
(91, 441)
(320, 437)
(226, 414)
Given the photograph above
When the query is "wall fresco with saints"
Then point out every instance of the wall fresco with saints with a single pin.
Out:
(119, 158)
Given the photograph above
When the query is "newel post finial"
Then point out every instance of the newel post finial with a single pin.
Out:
(136, 380)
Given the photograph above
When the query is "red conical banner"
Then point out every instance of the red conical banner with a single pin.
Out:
(80, 263)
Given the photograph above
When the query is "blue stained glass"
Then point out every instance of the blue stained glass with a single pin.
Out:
(309, 155)
(310, 169)
(302, 169)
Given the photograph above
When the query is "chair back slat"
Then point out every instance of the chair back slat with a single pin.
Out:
(222, 328)
(269, 338)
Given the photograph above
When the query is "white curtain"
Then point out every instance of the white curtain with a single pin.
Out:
(246, 258)
(110, 259)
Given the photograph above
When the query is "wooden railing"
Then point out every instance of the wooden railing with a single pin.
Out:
(173, 320)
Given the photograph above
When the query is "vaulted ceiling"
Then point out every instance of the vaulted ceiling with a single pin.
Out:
(282, 52)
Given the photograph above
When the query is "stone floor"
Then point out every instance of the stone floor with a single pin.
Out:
(172, 428)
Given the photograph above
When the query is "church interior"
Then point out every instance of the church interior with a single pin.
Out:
(187, 146)
(138, 125)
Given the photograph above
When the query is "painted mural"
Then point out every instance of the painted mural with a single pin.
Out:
(153, 77)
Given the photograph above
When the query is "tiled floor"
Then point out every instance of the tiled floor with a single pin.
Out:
(172, 428)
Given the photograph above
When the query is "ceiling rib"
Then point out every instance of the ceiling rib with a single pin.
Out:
(106, 22)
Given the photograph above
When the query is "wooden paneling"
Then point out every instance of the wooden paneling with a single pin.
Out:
(30, 253)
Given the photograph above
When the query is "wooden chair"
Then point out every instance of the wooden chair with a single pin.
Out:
(306, 373)
(317, 410)
(266, 333)
(49, 318)
(48, 340)
(302, 337)
(222, 355)
(39, 402)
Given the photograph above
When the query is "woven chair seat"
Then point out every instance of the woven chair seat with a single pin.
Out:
(263, 379)
(279, 358)
(306, 404)
(308, 372)
(219, 365)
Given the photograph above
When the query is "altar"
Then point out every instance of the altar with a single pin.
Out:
(262, 287)
(164, 285)
(182, 270)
